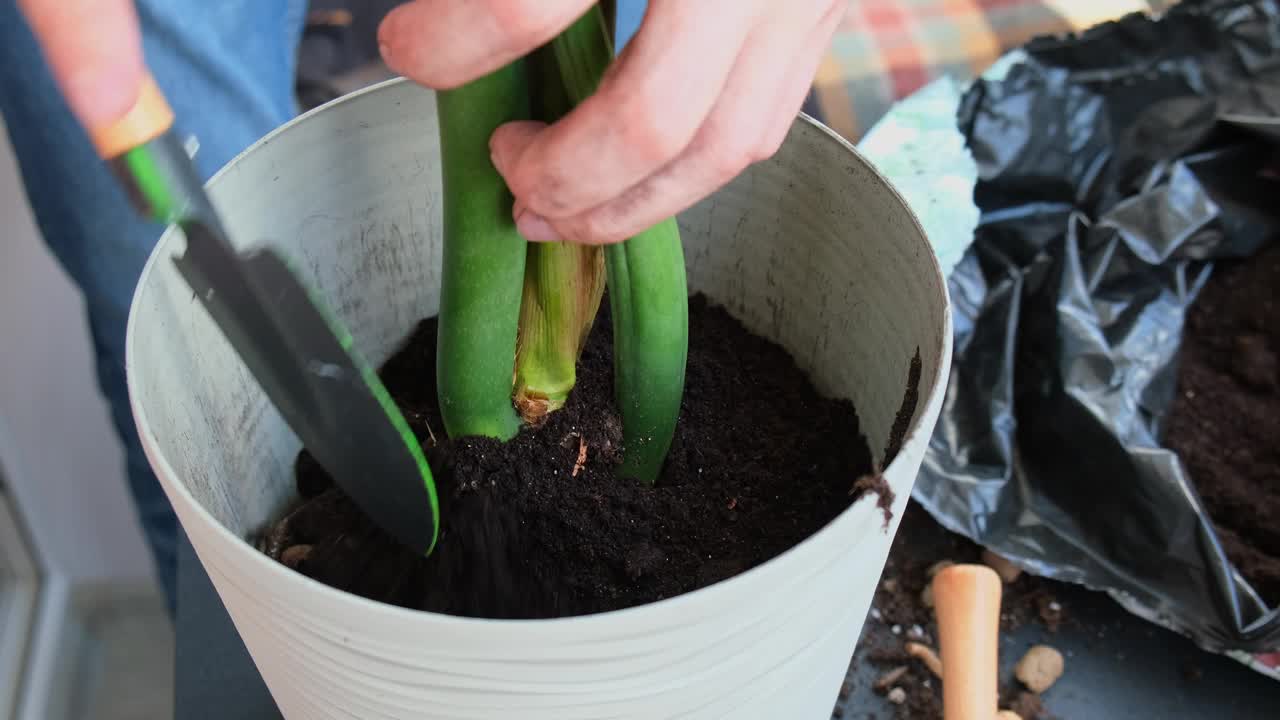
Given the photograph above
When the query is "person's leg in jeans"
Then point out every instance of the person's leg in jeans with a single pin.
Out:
(630, 13)
(227, 69)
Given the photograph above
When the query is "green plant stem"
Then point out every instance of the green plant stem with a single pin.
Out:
(563, 285)
(484, 259)
(648, 295)
(609, 11)
(583, 53)
(649, 303)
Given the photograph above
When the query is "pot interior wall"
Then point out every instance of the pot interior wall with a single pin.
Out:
(806, 248)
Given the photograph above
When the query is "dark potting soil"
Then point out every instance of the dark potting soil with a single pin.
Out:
(542, 526)
(1225, 423)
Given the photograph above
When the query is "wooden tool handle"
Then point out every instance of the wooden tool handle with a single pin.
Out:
(967, 602)
(148, 119)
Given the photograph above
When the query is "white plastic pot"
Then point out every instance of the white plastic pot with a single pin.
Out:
(811, 248)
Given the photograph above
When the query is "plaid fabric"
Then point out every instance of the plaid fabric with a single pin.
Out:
(888, 49)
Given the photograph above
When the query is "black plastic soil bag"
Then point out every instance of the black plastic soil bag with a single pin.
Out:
(1114, 168)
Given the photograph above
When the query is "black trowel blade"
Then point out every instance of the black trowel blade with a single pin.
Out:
(307, 365)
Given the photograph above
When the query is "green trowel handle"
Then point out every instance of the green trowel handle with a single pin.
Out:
(301, 355)
(149, 160)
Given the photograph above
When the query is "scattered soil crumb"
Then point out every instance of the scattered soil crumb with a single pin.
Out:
(884, 494)
(1040, 668)
(1050, 611)
(888, 679)
(1028, 706)
(295, 556)
(927, 656)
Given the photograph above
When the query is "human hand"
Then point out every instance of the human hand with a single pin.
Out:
(94, 48)
(704, 89)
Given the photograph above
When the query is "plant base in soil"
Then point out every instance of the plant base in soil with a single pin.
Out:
(1226, 416)
(542, 526)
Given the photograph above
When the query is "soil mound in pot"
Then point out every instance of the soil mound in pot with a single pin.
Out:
(543, 527)
(1225, 423)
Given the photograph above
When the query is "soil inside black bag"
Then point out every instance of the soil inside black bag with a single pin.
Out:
(1225, 423)
(543, 527)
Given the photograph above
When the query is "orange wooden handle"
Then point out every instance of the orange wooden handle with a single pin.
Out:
(149, 118)
(967, 602)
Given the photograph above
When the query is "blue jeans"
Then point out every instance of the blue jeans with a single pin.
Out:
(227, 68)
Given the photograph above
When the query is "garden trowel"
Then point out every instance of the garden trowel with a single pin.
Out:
(298, 351)
(966, 601)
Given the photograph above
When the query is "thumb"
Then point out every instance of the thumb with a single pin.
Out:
(508, 144)
(506, 147)
(94, 49)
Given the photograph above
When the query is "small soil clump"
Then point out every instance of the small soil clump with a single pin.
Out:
(543, 527)
(1040, 668)
(1028, 706)
(1226, 416)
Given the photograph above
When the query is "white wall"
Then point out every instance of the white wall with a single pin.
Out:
(57, 445)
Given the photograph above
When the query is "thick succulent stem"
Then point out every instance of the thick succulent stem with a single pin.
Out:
(649, 303)
(609, 11)
(648, 295)
(484, 259)
(563, 285)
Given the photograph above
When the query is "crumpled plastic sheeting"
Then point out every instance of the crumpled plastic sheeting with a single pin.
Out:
(1114, 168)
